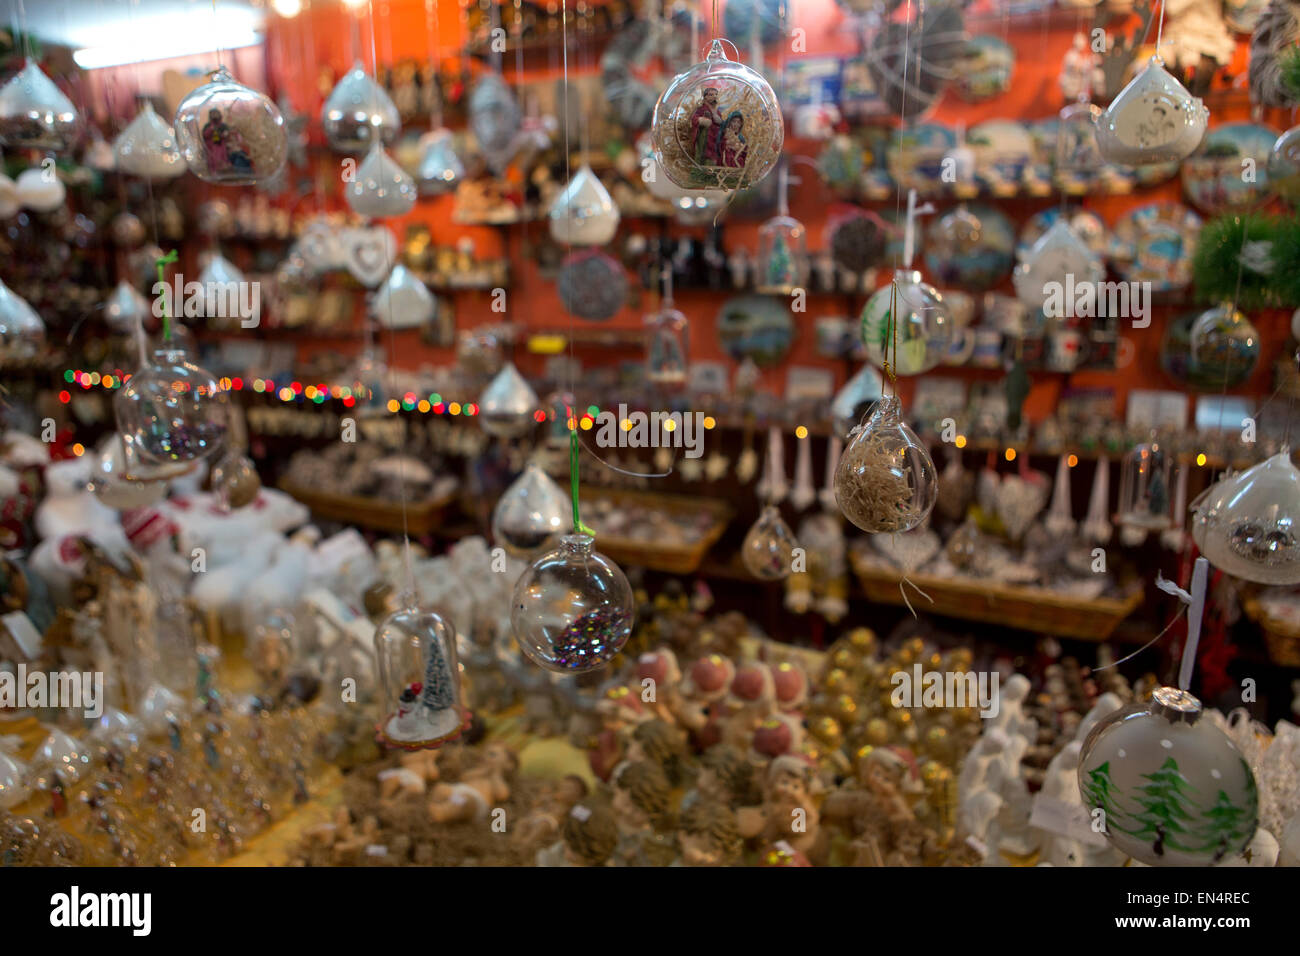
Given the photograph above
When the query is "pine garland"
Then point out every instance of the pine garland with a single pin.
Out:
(1218, 261)
(1290, 65)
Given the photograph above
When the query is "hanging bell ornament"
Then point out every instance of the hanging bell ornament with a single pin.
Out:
(1147, 478)
(495, 120)
(885, 481)
(171, 410)
(126, 308)
(718, 125)
(1152, 120)
(507, 405)
(440, 170)
(531, 514)
(1056, 264)
(359, 113)
(782, 256)
(1173, 789)
(147, 147)
(918, 335)
(768, 548)
(583, 213)
(22, 333)
(419, 679)
(235, 480)
(34, 113)
(381, 187)
(403, 301)
(572, 609)
(230, 134)
(1246, 525)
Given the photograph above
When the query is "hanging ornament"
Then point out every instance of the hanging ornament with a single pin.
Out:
(572, 609)
(667, 346)
(909, 321)
(970, 248)
(116, 487)
(1146, 485)
(37, 190)
(826, 497)
(782, 247)
(419, 679)
(381, 187)
(147, 147)
(235, 480)
(1096, 525)
(1284, 166)
(507, 405)
(367, 383)
(1059, 522)
(1222, 348)
(768, 549)
(34, 113)
(856, 240)
(1056, 264)
(403, 301)
(718, 125)
(592, 285)
(583, 214)
(14, 788)
(1247, 523)
(911, 59)
(773, 487)
(531, 514)
(126, 308)
(99, 155)
(495, 120)
(358, 114)
(860, 392)
(231, 135)
(368, 254)
(440, 170)
(885, 481)
(1173, 788)
(1152, 120)
(171, 410)
(22, 333)
(804, 493)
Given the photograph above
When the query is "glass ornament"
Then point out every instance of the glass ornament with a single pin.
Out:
(717, 125)
(171, 410)
(971, 249)
(38, 191)
(768, 548)
(22, 333)
(1152, 120)
(885, 481)
(126, 309)
(863, 389)
(1057, 263)
(782, 256)
(117, 487)
(592, 285)
(1174, 788)
(359, 113)
(1222, 348)
(667, 351)
(917, 338)
(99, 154)
(583, 213)
(1248, 524)
(572, 610)
(440, 170)
(494, 119)
(14, 788)
(381, 187)
(34, 113)
(856, 241)
(1284, 166)
(147, 147)
(419, 680)
(222, 281)
(506, 406)
(1147, 478)
(686, 203)
(531, 514)
(403, 301)
(235, 480)
(230, 134)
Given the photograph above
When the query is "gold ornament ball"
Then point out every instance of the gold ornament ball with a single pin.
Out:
(838, 681)
(863, 640)
(844, 707)
(936, 739)
(900, 717)
(844, 659)
(827, 730)
(877, 731)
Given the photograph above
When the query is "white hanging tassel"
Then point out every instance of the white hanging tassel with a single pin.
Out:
(804, 493)
(1096, 525)
(827, 494)
(1059, 521)
(773, 487)
(1174, 538)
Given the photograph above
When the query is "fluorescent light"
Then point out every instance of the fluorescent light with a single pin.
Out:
(164, 48)
(287, 8)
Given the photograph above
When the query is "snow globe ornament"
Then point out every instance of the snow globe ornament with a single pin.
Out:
(906, 325)
(583, 214)
(885, 481)
(440, 170)
(148, 148)
(1174, 789)
(718, 125)
(419, 677)
(572, 608)
(1057, 263)
(359, 113)
(230, 134)
(381, 187)
(531, 514)
(34, 113)
(126, 308)
(667, 348)
(507, 405)
(1248, 525)
(1284, 166)
(22, 333)
(170, 411)
(1147, 479)
(494, 119)
(782, 256)
(592, 285)
(1152, 120)
(768, 548)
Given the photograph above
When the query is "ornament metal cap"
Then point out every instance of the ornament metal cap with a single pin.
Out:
(1174, 705)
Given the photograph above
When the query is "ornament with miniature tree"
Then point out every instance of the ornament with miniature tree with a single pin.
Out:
(1148, 474)
(419, 677)
(667, 346)
(229, 134)
(782, 247)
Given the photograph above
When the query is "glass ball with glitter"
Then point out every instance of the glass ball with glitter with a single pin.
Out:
(171, 410)
(572, 609)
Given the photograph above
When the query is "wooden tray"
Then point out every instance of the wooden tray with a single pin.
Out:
(1028, 609)
(656, 555)
(422, 517)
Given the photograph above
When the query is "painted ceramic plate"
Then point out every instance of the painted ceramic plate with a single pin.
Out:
(1229, 171)
(915, 156)
(985, 71)
(970, 247)
(1088, 226)
(759, 327)
(1003, 151)
(1154, 243)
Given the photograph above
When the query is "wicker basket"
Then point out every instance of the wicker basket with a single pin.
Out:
(1281, 638)
(422, 517)
(657, 555)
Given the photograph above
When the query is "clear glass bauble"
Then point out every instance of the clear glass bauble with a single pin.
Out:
(403, 301)
(34, 113)
(863, 389)
(506, 407)
(222, 282)
(1222, 348)
(230, 134)
(1175, 790)
(918, 336)
(118, 487)
(494, 119)
(440, 170)
(718, 125)
(1147, 478)
(14, 786)
(235, 481)
(687, 203)
(531, 514)
(1248, 525)
(126, 308)
(885, 481)
(592, 285)
(1284, 166)
(359, 113)
(1056, 264)
(782, 256)
(419, 680)
(768, 548)
(381, 188)
(667, 348)
(963, 548)
(171, 410)
(970, 249)
(1152, 120)
(572, 610)
(583, 213)
(147, 147)
(22, 333)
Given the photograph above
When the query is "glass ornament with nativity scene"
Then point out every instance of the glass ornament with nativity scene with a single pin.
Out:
(419, 680)
(230, 134)
(531, 514)
(885, 481)
(507, 406)
(572, 610)
(170, 410)
(782, 249)
(1248, 524)
(34, 112)
(359, 113)
(718, 125)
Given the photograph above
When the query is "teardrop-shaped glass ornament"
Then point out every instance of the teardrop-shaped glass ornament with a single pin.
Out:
(1056, 264)
(1284, 166)
(222, 283)
(1248, 525)
(359, 113)
(885, 481)
(1147, 478)
(230, 134)
(14, 788)
(860, 392)
(440, 170)
(964, 546)
(147, 147)
(381, 187)
(572, 610)
(235, 480)
(34, 113)
(494, 119)
(126, 308)
(768, 548)
(38, 190)
(718, 125)
(170, 410)
(1223, 348)
(1152, 120)
(419, 680)
(507, 405)
(583, 213)
(782, 256)
(667, 350)
(531, 514)
(918, 336)
(22, 333)
(403, 301)
(116, 487)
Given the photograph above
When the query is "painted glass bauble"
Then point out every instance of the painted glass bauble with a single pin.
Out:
(1248, 524)
(1152, 120)
(907, 324)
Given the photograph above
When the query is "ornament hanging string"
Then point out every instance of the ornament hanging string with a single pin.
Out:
(161, 264)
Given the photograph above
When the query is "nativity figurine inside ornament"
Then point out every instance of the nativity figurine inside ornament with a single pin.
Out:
(224, 146)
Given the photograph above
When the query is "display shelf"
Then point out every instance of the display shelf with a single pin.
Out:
(662, 555)
(417, 518)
